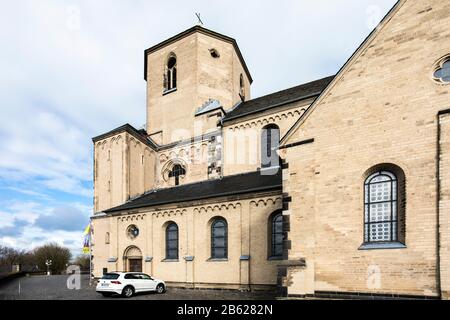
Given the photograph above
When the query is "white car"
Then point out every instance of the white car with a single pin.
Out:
(128, 283)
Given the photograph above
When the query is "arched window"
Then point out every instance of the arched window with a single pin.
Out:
(384, 205)
(172, 241)
(219, 239)
(177, 172)
(107, 238)
(242, 87)
(270, 140)
(276, 235)
(170, 76)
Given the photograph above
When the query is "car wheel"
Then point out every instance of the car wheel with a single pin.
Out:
(160, 288)
(128, 292)
(107, 294)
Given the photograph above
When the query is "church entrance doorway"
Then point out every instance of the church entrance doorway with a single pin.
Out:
(132, 259)
(135, 265)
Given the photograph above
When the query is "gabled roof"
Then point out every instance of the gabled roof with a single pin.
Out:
(363, 46)
(301, 92)
(227, 186)
(143, 137)
(209, 106)
(204, 31)
(139, 134)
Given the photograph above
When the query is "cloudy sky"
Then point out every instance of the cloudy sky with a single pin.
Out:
(71, 70)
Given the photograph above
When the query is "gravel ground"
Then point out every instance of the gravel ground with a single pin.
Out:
(55, 288)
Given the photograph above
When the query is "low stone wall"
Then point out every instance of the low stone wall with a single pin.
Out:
(6, 277)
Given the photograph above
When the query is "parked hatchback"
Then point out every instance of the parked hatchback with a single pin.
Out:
(128, 283)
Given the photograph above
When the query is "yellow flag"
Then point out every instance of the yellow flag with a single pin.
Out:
(88, 229)
(87, 240)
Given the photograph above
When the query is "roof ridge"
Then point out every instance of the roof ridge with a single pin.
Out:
(297, 86)
(297, 93)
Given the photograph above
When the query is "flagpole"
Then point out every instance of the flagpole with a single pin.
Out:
(90, 254)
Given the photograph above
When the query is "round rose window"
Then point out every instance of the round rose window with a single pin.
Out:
(132, 231)
(442, 71)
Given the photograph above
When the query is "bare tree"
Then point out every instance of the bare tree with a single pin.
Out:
(10, 256)
(60, 257)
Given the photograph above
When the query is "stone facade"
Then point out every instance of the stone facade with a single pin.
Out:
(194, 268)
(200, 78)
(383, 112)
(124, 167)
(382, 108)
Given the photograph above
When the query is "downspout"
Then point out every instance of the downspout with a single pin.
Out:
(438, 200)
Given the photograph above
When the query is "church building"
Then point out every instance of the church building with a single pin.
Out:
(339, 187)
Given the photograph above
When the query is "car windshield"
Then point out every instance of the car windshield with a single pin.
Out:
(110, 276)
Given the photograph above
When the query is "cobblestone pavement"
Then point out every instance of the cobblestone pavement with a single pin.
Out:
(55, 288)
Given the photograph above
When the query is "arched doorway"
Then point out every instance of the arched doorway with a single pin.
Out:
(132, 259)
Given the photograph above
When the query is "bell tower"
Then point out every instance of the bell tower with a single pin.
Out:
(189, 76)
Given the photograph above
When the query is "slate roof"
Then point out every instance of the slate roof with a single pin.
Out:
(229, 185)
(304, 91)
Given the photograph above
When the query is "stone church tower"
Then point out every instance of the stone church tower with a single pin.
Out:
(192, 79)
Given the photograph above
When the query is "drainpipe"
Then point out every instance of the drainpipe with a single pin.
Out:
(438, 200)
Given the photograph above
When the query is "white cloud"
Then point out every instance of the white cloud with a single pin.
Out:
(30, 193)
(26, 224)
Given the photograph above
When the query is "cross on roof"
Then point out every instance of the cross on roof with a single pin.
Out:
(200, 22)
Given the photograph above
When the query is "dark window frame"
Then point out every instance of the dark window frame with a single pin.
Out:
(170, 76)
(266, 140)
(133, 234)
(214, 247)
(440, 73)
(242, 87)
(172, 251)
(394, 197)
(110, 276)
(275, 218)
(177, 172)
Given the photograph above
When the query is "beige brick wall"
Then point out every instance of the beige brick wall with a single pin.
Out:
(247, 235)
(200, 78)
(382, 109)
(124, 168)
(176, 109)
(219, 78)
(242, 139)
